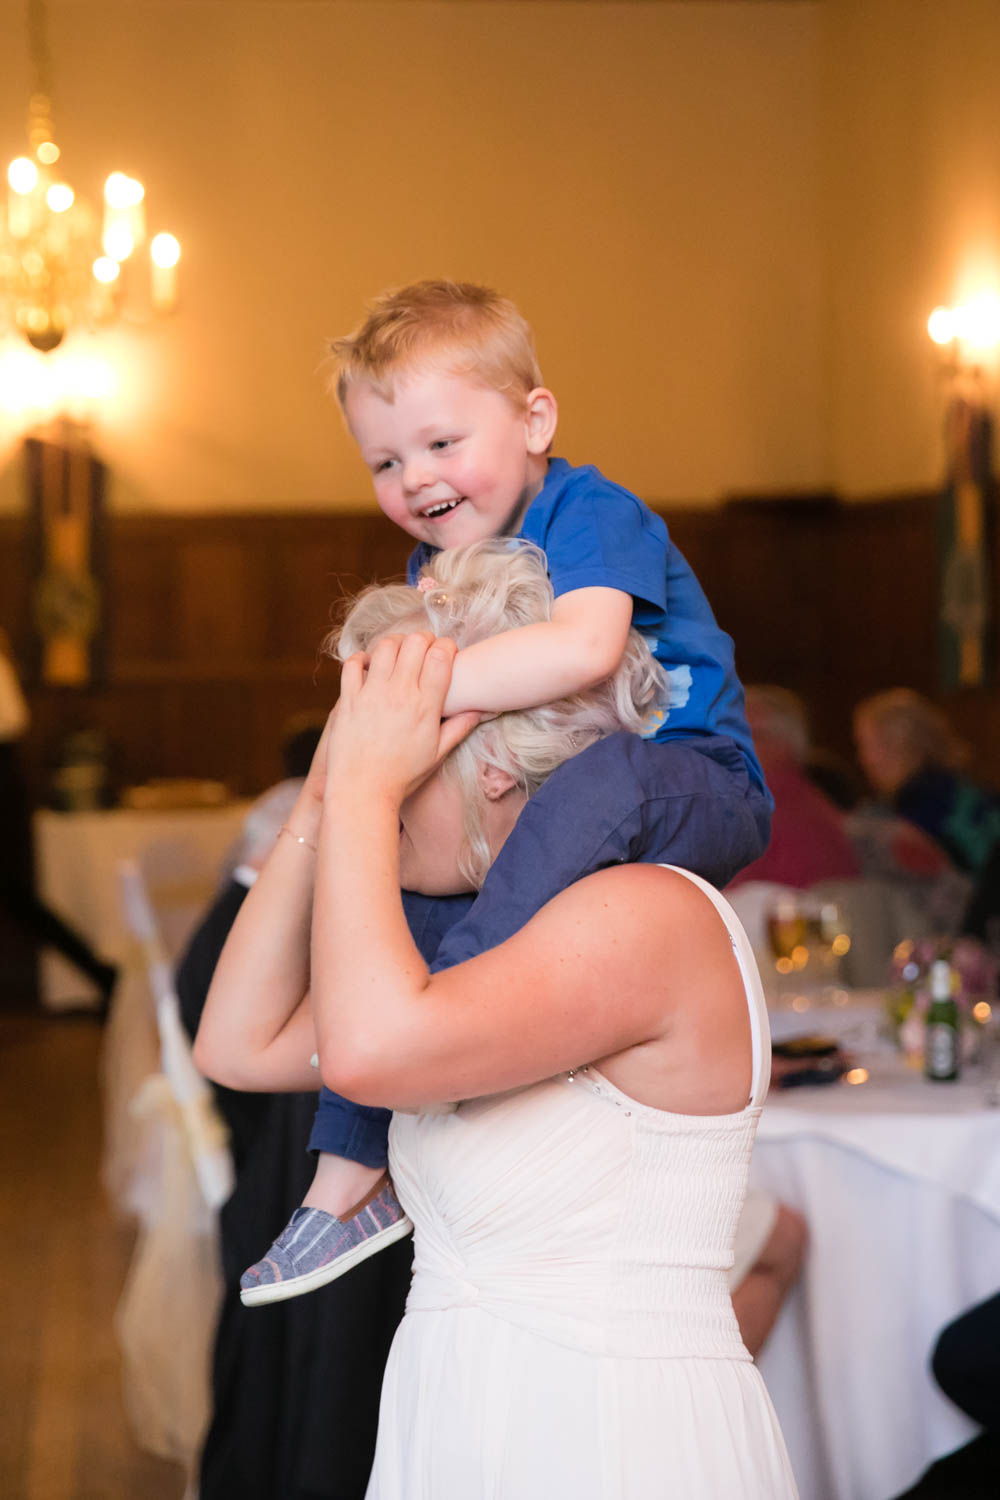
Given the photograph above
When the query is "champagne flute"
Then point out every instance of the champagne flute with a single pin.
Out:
(788, 937)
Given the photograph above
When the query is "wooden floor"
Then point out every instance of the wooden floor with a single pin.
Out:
(62, 1430)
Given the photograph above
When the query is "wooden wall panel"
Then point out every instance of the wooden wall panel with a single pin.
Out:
(214, 623)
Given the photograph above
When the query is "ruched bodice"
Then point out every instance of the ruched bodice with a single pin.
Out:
(569, 1329)
(624, 1223)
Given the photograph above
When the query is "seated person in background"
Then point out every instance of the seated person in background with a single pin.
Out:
(815, 838)
(771, 1242)
(912, 759)
(808, 838)
(966, 1365)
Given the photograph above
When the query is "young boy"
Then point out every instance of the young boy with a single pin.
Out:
(442, 393)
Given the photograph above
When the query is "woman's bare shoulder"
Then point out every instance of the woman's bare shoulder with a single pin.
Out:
(643, 905)
(660, 887)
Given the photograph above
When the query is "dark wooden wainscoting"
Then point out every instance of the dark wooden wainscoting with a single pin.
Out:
(213, 622)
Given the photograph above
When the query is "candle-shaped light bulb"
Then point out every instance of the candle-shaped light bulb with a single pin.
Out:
(22, 174)
(105, 269)
(118, 240)
(941, 325)
(60, 197)
(165, 252)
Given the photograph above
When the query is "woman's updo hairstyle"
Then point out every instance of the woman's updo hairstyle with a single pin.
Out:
(471, 594)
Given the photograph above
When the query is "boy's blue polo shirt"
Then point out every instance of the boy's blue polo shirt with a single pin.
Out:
(595, 534)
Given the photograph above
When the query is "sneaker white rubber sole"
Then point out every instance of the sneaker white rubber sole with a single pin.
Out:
(309, 1281)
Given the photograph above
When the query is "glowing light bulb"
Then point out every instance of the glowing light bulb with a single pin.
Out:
(105, 269)
(60, 197)
(22, 174)
(941, 325)
(165, 250)
(115, 190)
(977, 322)
(25, 382)
(119, 241)
(123, 192)
(48, 152)
(86, 379)
(95, 379)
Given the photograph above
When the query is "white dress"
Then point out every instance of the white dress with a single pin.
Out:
(569, 1331)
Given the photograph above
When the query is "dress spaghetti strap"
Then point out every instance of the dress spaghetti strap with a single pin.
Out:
(760, 1031)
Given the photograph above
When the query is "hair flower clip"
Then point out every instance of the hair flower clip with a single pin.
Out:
(427, 583)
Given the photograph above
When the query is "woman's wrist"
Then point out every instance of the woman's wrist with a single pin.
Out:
(361, 789)
(305, 819)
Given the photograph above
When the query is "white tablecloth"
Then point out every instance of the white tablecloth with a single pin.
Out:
(78, 854)
(899, 1180)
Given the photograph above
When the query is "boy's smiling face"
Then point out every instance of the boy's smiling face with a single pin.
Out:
(452, 461)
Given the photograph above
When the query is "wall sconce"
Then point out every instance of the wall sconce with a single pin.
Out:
(970, 331)
(968, 336)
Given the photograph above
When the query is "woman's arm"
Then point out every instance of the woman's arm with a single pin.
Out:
(581, 645)
(587, 978)
(256, 1030)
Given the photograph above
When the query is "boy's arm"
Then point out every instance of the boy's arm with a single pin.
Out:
(581, 645)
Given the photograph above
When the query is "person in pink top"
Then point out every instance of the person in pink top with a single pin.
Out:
(809, 841)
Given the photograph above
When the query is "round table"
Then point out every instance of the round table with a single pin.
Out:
(899, 1181)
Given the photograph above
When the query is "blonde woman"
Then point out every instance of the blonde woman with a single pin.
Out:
(569, 1328)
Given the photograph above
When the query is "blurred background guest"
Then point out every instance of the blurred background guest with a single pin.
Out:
(20, 904)
(913, 759)
(823, 830)
(808, 838)
(770, 1250)
(966, 1364)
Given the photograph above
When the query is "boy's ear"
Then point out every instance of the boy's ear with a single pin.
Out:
(494, 782)
(541, 416)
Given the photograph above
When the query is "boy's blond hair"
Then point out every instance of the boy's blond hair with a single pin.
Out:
(471, 329)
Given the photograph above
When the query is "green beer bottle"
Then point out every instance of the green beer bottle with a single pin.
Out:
(941, 1031)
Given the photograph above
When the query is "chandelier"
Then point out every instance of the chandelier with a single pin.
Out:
(62, 265)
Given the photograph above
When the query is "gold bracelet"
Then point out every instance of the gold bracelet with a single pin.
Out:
(297, 837)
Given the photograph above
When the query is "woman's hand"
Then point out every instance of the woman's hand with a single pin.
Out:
(387, 735)
(315, 782)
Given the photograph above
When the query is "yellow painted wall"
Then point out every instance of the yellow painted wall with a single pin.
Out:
(644, 179)
(911, 218)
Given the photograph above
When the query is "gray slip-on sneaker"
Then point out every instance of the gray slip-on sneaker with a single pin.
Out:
(316, 1247)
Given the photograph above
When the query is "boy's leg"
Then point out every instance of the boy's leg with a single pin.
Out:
(351, 1211)
(360, 1132)
(624, 799)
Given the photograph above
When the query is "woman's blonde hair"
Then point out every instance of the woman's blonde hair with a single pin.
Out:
(469, 328)
(473, 593)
